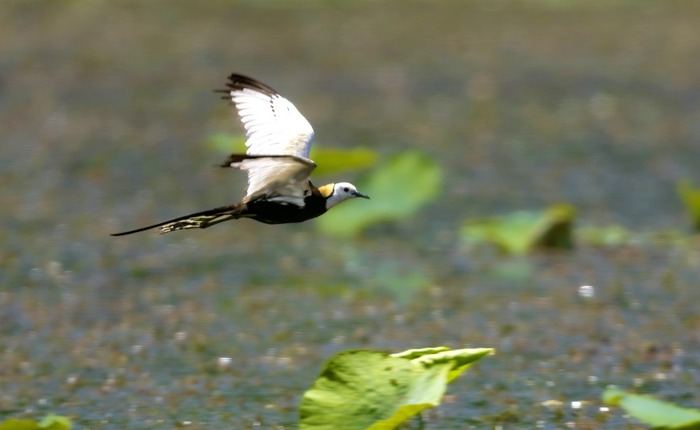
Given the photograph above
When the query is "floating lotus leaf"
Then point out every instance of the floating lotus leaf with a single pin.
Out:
(360, 390)
(656, 413)
(523, 231)
(398, 188)
(50, 422)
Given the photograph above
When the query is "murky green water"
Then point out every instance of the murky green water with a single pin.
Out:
(104, 111)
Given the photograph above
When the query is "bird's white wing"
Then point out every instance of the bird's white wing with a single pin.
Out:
(273, 125)
(280, 178)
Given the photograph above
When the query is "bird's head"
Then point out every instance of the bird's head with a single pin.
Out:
(341, 191)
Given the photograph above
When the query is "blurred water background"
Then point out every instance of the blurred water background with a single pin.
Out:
(105, 113)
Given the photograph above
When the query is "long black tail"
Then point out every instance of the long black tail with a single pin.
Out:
(202, 219)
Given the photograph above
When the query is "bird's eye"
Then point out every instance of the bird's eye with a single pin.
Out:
(346, 189)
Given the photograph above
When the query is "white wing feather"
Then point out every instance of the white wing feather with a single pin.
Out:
(278, 178)
(276, 128)
(273, 125)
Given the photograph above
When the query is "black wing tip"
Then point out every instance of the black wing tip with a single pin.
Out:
(237, 158)
(226, 94)
(233, 158)
(237, 81)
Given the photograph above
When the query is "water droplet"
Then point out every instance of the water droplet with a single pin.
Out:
(224, 362)
(586, 291)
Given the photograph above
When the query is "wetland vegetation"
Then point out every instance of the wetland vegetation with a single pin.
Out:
(508, 107)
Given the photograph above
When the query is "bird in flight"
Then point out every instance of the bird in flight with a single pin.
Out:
(277, 163)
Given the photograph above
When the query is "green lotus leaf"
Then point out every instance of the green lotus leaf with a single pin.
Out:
(379, 391)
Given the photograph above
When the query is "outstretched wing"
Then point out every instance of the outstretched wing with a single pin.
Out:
(279, 140)
(279, 177)
(273, 125)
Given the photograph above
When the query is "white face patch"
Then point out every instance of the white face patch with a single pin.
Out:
(343, 191)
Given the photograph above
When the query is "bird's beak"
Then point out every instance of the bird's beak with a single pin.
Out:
(357, 194)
